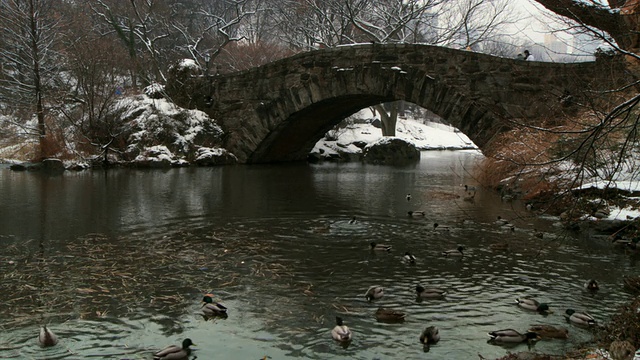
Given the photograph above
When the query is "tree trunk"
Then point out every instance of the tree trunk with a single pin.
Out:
(37, 82)
(388, 121)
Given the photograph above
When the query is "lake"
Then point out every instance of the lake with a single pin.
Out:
(116, 262)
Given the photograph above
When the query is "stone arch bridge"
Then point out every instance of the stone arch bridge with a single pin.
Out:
(278, 111)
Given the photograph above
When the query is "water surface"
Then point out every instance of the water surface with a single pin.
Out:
(116, 262)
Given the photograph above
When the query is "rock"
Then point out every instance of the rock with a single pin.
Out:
(391, 151)
(18, 167)
(214, 156)
(52, 165)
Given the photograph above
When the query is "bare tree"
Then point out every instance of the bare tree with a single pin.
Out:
(28, 57)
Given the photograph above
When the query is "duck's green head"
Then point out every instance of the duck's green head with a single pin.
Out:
(339, 321)
(419, 288)
(570, 312)
(543, 307)
(186, 343)
(207, 299)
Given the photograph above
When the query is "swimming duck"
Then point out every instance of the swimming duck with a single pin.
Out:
(417, 213)
(592, 285)
(408, 197)
(379, 247)
(512, 336)
(549, 332)
(439, 227)
(531, 304)
(174, 352)
(389, 315)
(374, 292)
(499, 246)
(580, 318)
(430, 293)
(409, 258)
(341, 332)
(632, 283)
(211, 308)
(470, 197)
(456, 252)
(501, 221)
(47, 337)
(430, 335)
(470, 188)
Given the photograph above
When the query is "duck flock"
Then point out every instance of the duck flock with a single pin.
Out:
(342, 334)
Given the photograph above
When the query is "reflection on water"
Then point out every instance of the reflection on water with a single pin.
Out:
(116, 263)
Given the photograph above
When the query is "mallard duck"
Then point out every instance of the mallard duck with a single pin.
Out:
(512, 336)
(470, 188)
(379, 247)
(438, 227)
(430, 293)
(389, 315)
(592, 285)
(549, 332)
(502, 222)
(341, 332)
(580, 318)
(409, 258)
(632, 283)
(408, 197)
(212, 308)
(457, 252)
(499, 246)
(374, 292)
(417, 213)
(352, 221)
(47, 337)
(531, 304)
(470, 197)
(430, 335)
(174, 352)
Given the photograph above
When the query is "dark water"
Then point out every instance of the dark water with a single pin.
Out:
(116, 262)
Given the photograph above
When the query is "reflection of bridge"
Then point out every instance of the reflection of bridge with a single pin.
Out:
(278, 111)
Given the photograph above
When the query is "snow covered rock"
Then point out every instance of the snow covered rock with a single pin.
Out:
(391, 151)
(214, 156)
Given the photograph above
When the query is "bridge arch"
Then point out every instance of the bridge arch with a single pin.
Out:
(278, 111)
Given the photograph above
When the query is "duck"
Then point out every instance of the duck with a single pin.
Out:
(379, 247)
(549, 332)
(531, 304)
(470, 197)
(341, 332)
(592, 285)
(580, 318)
(374, 292)
(416, 213)
(409, 258)
(502, 222)
(430, 335)
(389, 315)
(457, 252)
(512, 336)
(538, 234)
(470, 188)
(46, 337)
(499, 246)
(438, 227)
(430, 293)
(212, 308)
(352, 221)
(632, 283)
(408, 197)
(174, 352)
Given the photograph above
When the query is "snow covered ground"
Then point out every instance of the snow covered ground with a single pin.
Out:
(426, 136)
